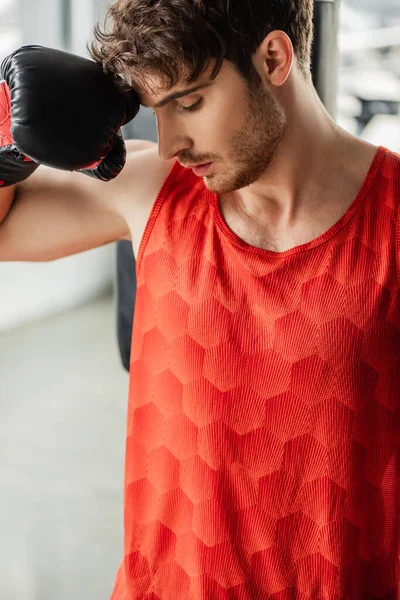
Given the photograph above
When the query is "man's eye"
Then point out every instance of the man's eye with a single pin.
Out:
(192, 107)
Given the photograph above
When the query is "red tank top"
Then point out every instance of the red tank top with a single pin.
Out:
(263, 433)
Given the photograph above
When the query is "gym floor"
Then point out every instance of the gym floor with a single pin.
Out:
(63, 398)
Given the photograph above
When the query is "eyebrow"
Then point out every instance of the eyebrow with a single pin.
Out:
(177, 95)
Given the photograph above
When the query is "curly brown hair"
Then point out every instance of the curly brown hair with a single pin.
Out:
(180, 39)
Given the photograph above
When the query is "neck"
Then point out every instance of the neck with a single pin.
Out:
(302, 169)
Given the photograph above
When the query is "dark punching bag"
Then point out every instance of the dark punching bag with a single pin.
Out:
(125, 285)
(325, 77)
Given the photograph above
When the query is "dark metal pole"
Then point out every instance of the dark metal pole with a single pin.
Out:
(325, 58)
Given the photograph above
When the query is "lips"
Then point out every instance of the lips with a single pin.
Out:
(201, 170)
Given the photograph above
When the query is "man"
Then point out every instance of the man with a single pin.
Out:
(263, 431)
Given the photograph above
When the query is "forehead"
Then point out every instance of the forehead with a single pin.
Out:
(152, 88)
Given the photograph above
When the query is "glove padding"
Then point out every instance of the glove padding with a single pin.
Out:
(66, 112)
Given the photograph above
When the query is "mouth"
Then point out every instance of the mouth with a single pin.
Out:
(199, 170)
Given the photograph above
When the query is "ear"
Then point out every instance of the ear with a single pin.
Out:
(274, 58)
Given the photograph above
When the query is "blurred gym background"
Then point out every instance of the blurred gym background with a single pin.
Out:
(63, 376)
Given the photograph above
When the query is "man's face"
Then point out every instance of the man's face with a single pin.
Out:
(227, 122)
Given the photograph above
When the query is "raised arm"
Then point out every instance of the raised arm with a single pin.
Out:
(58, 213)
(62, 111)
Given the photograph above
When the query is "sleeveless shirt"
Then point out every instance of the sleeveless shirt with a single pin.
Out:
(263, 427)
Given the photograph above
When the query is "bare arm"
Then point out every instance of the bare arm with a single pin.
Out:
(57, 213)
(6, 200)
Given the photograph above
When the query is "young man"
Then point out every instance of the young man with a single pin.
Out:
(263, 422)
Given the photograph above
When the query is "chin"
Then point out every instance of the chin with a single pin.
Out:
(218, 185)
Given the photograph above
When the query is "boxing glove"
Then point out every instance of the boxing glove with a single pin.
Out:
(63, 112)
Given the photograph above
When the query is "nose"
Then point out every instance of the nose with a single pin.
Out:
(171, 139)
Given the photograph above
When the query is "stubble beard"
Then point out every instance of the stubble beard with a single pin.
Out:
(253, 146)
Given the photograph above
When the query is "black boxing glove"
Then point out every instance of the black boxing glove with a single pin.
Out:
(66, 113)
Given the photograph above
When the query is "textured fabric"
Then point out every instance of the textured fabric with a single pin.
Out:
(262, 456)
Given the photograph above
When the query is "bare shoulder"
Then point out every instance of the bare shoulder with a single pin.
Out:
(139, 185)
